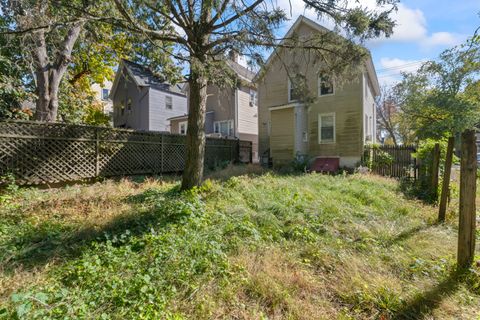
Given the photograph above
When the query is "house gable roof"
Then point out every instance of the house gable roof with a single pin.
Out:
(314, 25)
(143, 77)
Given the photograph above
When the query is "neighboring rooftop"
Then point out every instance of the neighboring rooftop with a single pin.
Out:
(241, 70)
(144, 77)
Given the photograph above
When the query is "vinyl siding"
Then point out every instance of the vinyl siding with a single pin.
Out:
(137, 118)
(282, 136)
(247, 115)
(369, 111)
(159, 114)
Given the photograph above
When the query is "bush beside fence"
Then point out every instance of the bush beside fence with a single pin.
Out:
(41, 153)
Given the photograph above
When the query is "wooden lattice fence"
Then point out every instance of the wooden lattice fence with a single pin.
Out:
(391, 161)
(41, 153)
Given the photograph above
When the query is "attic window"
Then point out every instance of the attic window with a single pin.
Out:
(325, 85)
(292, 91)
(168, 102)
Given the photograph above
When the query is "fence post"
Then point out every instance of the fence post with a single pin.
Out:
(251, 151)
(435, 166)
(97, 154)
(162, 143)
(446, 180)
(468, 188)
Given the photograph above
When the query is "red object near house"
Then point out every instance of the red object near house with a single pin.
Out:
(325, 164)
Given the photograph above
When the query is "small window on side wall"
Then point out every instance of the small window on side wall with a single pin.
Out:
(326, 128)
(182, 127)
(168, 102)
(105, 93)
(325, 85)
(253, 97)
(292, 91)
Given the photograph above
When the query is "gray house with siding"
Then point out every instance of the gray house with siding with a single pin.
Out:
(231, 112)
(144, 101)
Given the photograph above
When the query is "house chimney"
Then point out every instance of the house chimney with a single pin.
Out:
(233, 55)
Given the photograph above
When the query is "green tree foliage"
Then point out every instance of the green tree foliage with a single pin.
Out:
(441, 99)
(94, 54)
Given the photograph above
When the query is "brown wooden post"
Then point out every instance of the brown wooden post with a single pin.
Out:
(468, 188)
(446, 180)
(435, 167)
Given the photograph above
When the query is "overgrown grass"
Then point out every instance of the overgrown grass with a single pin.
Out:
(252, 246)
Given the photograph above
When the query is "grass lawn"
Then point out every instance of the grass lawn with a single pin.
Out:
(261, 246)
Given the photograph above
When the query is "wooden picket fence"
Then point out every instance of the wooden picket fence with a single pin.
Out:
(392, 161)
(43, 153)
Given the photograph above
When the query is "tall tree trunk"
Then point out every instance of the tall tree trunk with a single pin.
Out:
(42, 70)
(442, 209)
(434, 176)
(468, 189)
(193, 173)
(49, 75)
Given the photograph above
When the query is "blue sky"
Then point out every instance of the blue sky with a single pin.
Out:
(424, 29)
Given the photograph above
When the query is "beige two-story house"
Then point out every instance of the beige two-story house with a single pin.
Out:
(335, 122)
(232, 112)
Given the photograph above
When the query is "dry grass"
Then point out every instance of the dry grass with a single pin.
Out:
(294, 247)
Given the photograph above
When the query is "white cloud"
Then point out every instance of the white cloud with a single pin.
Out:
(411, 24)
(391, 68)
(443, 39)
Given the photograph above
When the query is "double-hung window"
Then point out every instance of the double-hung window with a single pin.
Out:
(292, 91)
(325, 85)
(168, 102)
(225, 128)
(253, 97)
(182, 127)
(326, 128)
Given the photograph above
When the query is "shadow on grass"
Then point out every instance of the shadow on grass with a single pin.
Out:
(49, 242)
(424, 303)
(417, 190)
(406, 234)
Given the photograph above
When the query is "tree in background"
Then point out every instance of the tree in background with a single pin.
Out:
(49, 34)
(441, 101)
(58, 52)
(390, 119)
(203, 31)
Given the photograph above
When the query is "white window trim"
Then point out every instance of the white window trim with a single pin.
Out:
(289, 91)
(105, 98)
(253, 102)
(171, 99)
(320, 115)
(230, 122)
(180, 127)
(319, 87)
